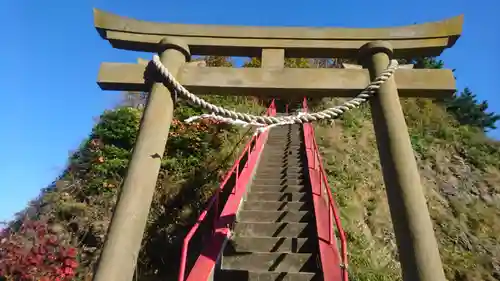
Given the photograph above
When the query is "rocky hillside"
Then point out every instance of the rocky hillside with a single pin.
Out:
(460, 171)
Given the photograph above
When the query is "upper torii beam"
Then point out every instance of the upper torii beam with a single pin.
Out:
(373, 47)
(428, 39)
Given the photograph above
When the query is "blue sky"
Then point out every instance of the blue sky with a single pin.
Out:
(51, 54)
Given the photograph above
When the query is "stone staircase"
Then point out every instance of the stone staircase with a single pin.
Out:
(274, 236)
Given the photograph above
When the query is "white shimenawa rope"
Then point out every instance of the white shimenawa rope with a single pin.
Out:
(266, 122)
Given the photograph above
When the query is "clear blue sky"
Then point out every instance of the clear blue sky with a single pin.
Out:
(51, 54)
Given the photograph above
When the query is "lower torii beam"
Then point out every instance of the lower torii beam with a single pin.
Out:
(285, 82)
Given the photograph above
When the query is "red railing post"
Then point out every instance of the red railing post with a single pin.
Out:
(330, 228)
(314, 161)
(322, 181)
(216, 210)
(248, 154)
(237, 173)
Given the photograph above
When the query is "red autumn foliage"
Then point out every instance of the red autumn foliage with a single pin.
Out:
(203, 125)
(35, 253)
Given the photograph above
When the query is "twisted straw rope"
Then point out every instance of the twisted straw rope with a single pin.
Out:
(239, 118)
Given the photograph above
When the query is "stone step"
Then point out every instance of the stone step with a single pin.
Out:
(281, 173)
(274, 216)
(277, 180)
(282, 146)
(270, 169)
(243, 275)
(273, 229)
(285, 132)
(278, 188)
(284, 140)
(285, 128)
(282, 136)
(282, 159)
(276, 162)
(284, 150)
(280, 176)
(279, 136)
(277, 262)
(281, 152)
(244, 244)
(278, 133)
(282, 156)
(277, 170)
(278, 206)
(289, 145)
(277, 196)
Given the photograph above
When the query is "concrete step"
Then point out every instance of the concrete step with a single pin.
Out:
(278, 147)
(281, 176)
(281, 173)
(278, 262)
(284, 163)
(282, 154)
(277, 196)
(277, 180)
(273, 229)
(280, 136)
(274, 216)
(277, 206)
(282, 133)
(283, 148)
(282, 159)
(276, 169)
(243, 244)
(278, 188)
(276, 151)
(284, 140)
(243, 275)
(277, 136)
(280, 164)
(276, 164)
(284, 128)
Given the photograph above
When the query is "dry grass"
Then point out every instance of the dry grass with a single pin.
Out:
(461, 182)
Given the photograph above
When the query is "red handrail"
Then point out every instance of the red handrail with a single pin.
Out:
(214, 201)
(323, 183)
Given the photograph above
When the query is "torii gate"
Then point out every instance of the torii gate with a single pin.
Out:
(374, 47)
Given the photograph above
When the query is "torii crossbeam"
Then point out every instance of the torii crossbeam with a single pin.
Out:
(373, 47)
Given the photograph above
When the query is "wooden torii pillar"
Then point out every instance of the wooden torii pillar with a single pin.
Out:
(374, 47)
